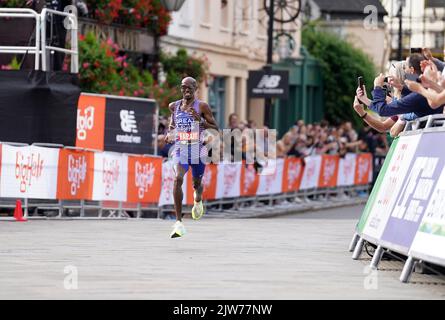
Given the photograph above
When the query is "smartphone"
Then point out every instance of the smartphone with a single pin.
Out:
(412, 77)
(416, 50)
(360, 82)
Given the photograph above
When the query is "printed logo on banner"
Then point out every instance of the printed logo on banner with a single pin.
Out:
(74, 179)
(363, 168)
(110, 175)
(209, 182)
(90, 122)
(329, 171)
(206, 179)
(28, 168)
(311, 173)
(77, 172)
(128, 121)
(417, 189)
(269, 82)
(85, 122)
(293, 174)
(144, 177)
(249, 180)
(230, 175)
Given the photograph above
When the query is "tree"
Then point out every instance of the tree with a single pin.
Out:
(341, 64)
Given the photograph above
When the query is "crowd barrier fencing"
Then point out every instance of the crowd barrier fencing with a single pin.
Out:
(405, 212)
(84, 183)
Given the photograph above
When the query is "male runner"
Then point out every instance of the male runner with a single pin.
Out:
(189, 118)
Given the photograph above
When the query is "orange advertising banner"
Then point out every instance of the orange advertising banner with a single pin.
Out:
(75, 175)
(328, 171)
(90, 122)
(144, 179)
(292, 174)
(363, 169)
(249, 180)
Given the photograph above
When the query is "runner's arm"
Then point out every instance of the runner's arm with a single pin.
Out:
(210, 122)
(171, 124)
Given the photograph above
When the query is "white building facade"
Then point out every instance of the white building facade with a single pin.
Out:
(423, 24)
(233, 36)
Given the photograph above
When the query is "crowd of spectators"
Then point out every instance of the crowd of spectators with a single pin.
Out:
(301, 139)
(413, 88)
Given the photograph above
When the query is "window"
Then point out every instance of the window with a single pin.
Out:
(246, 15)
(185, 16)
(439, 40)
(205, 17)
(217, 93)
(262, 20)
(224, 14)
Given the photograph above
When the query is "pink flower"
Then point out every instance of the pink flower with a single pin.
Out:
(135, 93)
(110, 42)
(85, 65)
(125, 64)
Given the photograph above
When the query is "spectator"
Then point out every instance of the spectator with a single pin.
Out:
(412, 102)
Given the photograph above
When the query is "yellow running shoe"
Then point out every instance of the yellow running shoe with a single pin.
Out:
(198, 208)
(178, 230)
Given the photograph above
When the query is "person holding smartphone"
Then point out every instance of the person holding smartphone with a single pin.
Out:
(412, 102)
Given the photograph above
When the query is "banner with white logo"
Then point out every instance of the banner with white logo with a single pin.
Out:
(129, 125)
(29, 172)
(229, 177)
(271, 178)
(311, 172)
(271, 84)
(346, 170)
(110, 176)
(328, 171)
(76, 174)
(144, 179)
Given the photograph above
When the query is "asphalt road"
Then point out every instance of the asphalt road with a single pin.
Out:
(300, 256)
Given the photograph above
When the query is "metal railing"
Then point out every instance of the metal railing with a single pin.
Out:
(72, 24)
(42, 49)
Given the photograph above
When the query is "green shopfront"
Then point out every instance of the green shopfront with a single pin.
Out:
(305, 93)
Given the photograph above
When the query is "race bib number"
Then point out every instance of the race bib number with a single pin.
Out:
(188, 136)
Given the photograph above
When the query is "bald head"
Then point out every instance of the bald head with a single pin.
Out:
(190, 81)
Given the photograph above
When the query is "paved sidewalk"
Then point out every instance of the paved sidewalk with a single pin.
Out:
(294, 257)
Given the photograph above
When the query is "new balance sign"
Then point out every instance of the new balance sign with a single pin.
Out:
(274, 84)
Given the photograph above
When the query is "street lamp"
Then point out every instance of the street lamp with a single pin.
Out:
(172, 5)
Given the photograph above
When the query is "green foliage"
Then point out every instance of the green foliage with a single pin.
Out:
(341, 64)
(103, 70)
(13, 4)
(182, 65)
(176, 67)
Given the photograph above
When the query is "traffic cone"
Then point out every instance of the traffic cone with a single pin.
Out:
(18, 212)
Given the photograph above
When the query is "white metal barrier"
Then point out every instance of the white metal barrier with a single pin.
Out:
(41, 49)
